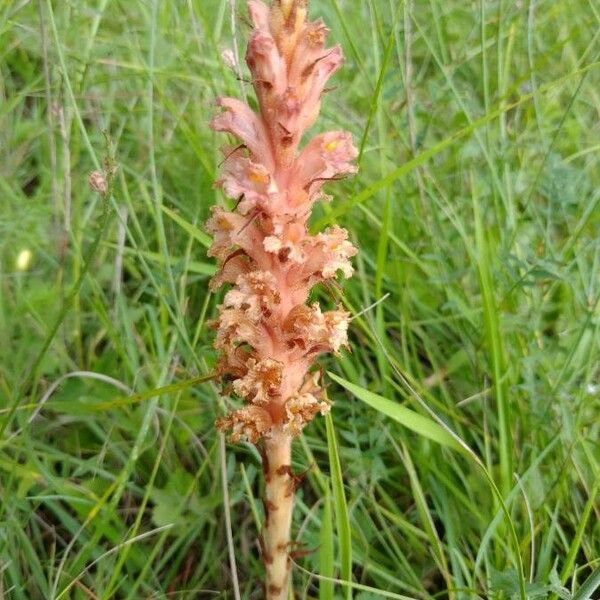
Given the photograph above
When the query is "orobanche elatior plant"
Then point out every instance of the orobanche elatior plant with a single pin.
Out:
(268, 333)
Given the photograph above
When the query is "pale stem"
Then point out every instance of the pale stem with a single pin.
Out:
(279, 501)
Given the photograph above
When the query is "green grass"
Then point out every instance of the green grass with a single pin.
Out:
(477, 212)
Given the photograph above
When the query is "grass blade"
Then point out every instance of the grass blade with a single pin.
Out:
(589, 586)
(495, 343)
(194, 231)
(326, 550)
(342, 518)
(577, 539)
(409, 418)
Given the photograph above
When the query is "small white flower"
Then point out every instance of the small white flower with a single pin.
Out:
(229, 59)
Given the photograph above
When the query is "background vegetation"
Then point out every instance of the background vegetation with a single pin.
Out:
(477, 214)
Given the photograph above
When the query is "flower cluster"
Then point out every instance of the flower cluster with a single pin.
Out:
(267, 335)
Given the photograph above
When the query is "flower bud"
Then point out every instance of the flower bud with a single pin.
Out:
(98, 183)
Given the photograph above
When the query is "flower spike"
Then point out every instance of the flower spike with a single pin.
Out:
(268, 336)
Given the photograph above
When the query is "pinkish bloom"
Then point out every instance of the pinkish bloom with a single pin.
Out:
(264, 246)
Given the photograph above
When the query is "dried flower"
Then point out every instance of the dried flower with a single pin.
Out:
(268, 337)
(98, 182)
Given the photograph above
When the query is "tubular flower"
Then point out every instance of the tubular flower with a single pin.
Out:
(267, 335)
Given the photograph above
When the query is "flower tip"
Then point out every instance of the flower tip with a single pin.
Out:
(287, 18)
(287, 6)
(335, 58)
(259, 14)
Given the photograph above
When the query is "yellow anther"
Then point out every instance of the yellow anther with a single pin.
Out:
(258, 177)
(225, 224)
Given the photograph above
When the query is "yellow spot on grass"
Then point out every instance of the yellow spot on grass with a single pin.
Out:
(23, 260)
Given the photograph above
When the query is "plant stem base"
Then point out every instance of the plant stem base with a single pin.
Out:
(279, 502)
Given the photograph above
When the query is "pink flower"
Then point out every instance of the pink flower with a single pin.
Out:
(267, 335)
